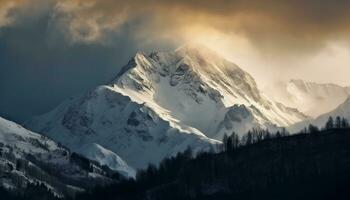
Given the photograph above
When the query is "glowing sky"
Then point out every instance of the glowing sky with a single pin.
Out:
(49, 43)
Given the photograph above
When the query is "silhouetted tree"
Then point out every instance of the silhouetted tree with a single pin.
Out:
(344, 123)
(235, 141)
(337, 122)
(330, 123)
(249, 139)
(256, 135)
(313, 129)
(224, 142)
(188, 153)
(267, 135)
(278, 134)
(284, 132)
(261, 133)
(229, 144)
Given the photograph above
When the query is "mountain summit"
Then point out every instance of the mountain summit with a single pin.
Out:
(161, 103)
(198, 87)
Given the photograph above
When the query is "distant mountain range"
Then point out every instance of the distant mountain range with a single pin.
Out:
(343, 111)
(311, 98)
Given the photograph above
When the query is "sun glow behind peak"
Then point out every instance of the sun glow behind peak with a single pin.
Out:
(233, 47)
(269, 69)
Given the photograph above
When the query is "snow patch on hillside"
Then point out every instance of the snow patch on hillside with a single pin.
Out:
(106, 157)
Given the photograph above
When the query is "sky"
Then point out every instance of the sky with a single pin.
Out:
(53, 49)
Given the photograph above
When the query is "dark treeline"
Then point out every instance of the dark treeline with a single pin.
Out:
(260, 165)
(331, 124)
(232, 142)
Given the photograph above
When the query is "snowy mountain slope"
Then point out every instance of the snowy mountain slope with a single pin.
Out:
(133, 131)
(196, 86)
(343, 110)
(13, 134)
(17, 141)
(162, 103)
(106, 157)
(30, 158)
(312, 98)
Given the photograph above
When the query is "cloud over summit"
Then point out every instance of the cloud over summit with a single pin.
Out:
(303, 25)
(46, 44)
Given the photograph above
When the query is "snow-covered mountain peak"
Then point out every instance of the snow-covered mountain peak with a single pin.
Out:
(197, 57)
(161, 103)
(196, 66)
(193, 72)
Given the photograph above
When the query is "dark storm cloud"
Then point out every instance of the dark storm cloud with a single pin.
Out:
(52, 49)
(269, 24)
(39, 69)
(281, 25)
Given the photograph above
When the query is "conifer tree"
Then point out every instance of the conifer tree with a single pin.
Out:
(337, 122)
(344, 123)
(330, 123)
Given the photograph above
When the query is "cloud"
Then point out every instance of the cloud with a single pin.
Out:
(6, 6)
(85, 21)
(273, 26)
(68, 46)
(39, 69)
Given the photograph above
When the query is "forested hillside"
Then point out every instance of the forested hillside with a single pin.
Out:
(311, 165)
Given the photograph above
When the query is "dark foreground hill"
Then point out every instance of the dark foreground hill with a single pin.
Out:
(304, 166)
